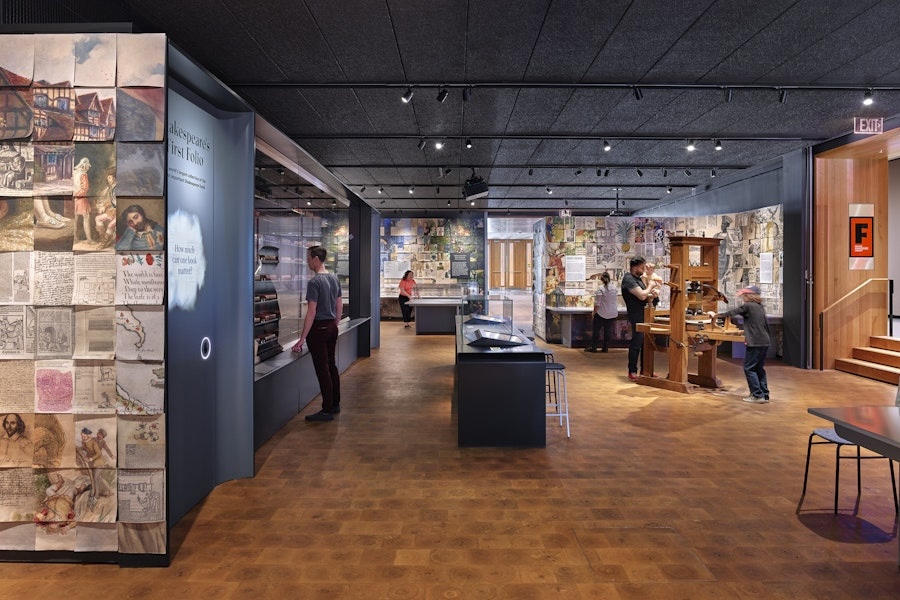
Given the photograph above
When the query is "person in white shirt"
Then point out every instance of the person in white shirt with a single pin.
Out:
(605, 313)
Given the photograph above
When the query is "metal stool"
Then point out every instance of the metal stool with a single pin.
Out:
(830, 436)
(557, 399)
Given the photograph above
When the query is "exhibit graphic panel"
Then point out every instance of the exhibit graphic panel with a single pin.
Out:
(82, 328)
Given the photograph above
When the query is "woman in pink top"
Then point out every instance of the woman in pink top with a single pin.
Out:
(407, 291)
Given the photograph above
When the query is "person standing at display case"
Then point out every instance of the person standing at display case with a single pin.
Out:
(605, 313)
(756, 333)
(636, 295)
(408, 291)
(324, 306)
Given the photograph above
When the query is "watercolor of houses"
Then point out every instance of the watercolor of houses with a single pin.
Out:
(54, 113)
(95, 118)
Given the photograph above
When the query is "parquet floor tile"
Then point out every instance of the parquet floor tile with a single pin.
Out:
(655, 495)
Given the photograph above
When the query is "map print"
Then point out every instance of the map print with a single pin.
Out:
(139, 332)
(139, 388)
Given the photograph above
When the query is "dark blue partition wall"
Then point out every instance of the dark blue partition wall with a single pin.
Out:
(209, 370)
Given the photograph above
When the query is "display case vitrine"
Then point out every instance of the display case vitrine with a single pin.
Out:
(266, 312)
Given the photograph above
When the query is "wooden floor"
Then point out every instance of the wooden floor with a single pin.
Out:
(656, 495)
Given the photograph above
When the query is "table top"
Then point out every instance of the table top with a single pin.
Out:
(879, 422)
(435, 302)
(577, 310)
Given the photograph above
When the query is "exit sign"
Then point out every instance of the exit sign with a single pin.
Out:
(868, 125)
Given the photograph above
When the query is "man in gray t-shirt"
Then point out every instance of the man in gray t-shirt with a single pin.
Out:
(324, 306)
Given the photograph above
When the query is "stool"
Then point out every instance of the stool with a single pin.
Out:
(557, 399)
(830, 436)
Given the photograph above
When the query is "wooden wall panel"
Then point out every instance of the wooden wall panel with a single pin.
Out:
(840, 182)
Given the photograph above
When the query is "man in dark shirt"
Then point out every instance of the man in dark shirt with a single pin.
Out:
(636, 295)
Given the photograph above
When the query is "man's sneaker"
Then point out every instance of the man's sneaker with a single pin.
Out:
(755, 399)
(320, 416)
(633, 376)
(335, 410)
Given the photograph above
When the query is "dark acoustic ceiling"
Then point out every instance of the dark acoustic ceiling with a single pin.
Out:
(539, 87)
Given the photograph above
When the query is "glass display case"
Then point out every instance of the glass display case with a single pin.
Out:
(494, 310)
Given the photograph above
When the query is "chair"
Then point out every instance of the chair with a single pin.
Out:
(557, 399)
(830, 436)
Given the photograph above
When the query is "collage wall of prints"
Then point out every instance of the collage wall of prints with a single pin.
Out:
(750, 254)
(428, 247)
(82, 264)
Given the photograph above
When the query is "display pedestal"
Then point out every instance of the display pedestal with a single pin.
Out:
(500, 393)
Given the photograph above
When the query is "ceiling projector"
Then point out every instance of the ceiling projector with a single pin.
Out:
(475, 187)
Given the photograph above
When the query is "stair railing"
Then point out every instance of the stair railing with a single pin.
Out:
(845, 297)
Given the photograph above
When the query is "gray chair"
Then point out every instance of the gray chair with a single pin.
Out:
(830, 436)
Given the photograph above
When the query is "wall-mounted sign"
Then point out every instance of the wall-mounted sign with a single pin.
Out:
(868, 125)
(862, 237)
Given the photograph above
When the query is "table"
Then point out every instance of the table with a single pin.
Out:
(436, 315)
(876, 428)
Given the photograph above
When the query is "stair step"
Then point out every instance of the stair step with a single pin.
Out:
(878, 355)
(885, 343)
(867, 369)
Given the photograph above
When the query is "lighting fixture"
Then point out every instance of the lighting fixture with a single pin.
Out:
(599, 171)
(566, 202)
(718, 144)
(606, 173)
(690, 146)
(407, 95)
(508, 212)
(439, 144)
(639, 172)
(577, 172)
(437, 190)
(448, 203)
(669, 190)
(665, 172)
(472, 203)
(729, 94)
(362, 189)
(606, 146)
(782, 96)
(638, 94)
(382, 202)
(412, 189)
(867, 98)
(333, 203)
(422, 144)
(468, 143)
(381, 190)
(687, 172)
(281, 171)
(549, 191)
(530, 172)
(309, 203)
(442, 95)
(447, 170)
(712, 173)
(467, 94)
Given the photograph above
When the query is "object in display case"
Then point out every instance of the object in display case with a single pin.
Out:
(487, 339)
(266, 312)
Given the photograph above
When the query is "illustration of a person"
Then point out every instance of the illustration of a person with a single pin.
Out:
(106, 206)
(15, 171)
(47, 341)
(57, 511)
(46, 217)
(82, 188)
(15, 446)
(141, 233)
(91, 456)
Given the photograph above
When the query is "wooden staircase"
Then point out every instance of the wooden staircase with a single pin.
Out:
(879, 360)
